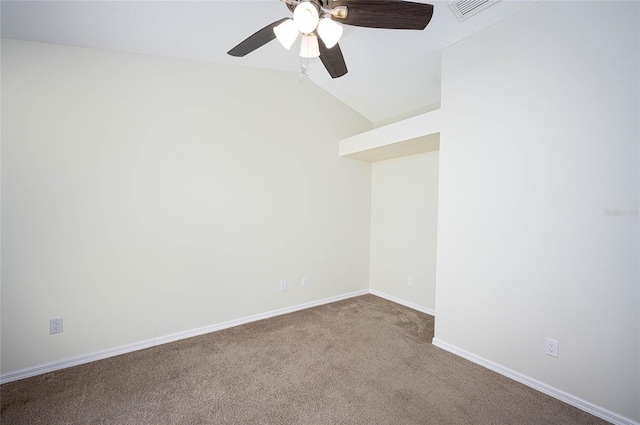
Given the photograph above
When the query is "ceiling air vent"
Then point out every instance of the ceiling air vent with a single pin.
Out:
(466, 8)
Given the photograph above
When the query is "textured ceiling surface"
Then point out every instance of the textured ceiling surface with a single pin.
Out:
(391, 72)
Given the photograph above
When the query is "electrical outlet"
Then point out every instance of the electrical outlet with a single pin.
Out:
(410, 281)
(55, 326)
(283, 286)
(305, 282)
(551, 347)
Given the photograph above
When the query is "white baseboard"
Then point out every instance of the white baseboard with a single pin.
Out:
(403, 302)
(537, 385)
(103, 354)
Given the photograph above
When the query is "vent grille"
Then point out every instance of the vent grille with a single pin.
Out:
(466, 8)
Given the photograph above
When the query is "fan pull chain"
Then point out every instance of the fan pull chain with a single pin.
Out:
(304, 68)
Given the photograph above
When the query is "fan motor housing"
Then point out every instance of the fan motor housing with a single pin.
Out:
(320, 4)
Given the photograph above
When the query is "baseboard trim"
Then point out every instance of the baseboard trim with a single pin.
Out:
(537, 385)
(103, 354)
(403, 302)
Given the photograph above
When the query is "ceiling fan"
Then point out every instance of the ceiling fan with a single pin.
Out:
(317, 21)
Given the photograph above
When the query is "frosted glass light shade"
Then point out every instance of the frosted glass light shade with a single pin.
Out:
(286, 32)
(306, 17)
(329, 31)
(309, 46)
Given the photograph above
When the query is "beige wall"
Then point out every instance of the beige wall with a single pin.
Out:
(540, 138)
(144, 196)
(404, 207)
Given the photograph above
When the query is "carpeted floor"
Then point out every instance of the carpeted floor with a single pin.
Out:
(364, 360)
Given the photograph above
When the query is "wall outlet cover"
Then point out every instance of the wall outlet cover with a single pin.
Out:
(551, 347)
(55, 326)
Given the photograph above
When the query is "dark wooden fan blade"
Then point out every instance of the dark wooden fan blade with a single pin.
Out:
(258, 39)
(332, 59)
(391, 14)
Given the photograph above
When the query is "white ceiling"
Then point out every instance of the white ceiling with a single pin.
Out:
(391, 72)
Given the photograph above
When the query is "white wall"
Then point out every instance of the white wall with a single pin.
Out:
(404, 209)
(540, 137)
(144, 196)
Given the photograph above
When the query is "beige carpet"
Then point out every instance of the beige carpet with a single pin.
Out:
(364, 360)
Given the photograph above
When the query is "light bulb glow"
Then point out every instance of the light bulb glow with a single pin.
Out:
(306, 17)
(287, 33)
(309, 46)
(329, 31)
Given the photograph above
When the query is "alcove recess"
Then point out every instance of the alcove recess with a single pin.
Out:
(411, 136)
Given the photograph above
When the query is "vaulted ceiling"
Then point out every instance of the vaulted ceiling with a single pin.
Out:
(391, 72)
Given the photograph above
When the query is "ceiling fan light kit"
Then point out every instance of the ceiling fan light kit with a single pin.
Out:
(306, 20)
(329, 31)
(287, 33)
(321, 18)
(309, 47)
(306, 17)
